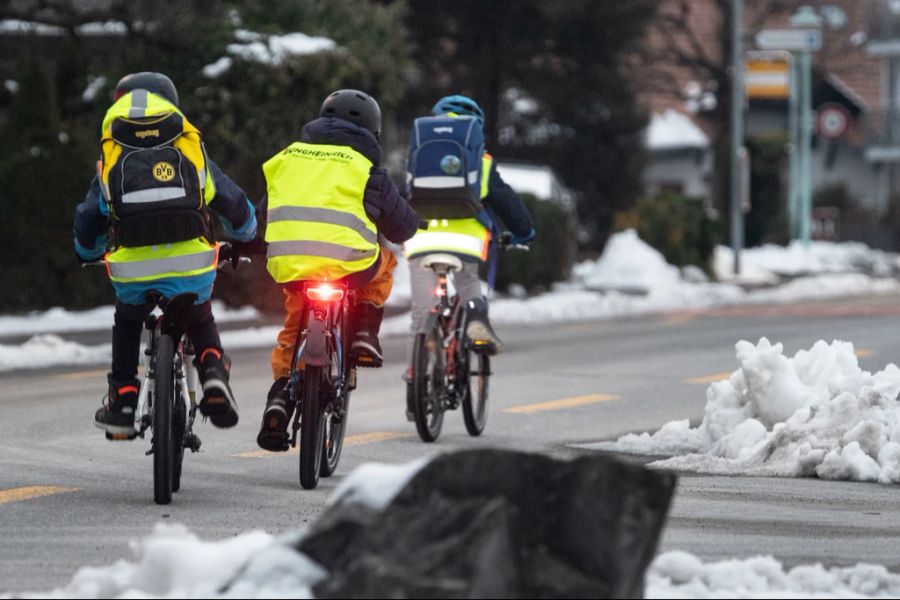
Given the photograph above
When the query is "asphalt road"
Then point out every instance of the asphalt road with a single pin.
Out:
(70, 498)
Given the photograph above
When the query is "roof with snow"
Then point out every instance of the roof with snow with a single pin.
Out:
(537, 180)
(672, 130)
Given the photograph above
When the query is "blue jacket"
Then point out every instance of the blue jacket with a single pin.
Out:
(91, 238)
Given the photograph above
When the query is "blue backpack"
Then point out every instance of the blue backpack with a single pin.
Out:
(445, 158)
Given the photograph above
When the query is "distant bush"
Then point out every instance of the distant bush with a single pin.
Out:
(552, 253)
(680, 227)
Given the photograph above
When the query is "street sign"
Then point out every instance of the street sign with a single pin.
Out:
(766, 78)
(796, 40)
(832, 121)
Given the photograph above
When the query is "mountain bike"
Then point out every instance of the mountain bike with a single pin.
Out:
(323, 373)
(167, 402)
(448, 369)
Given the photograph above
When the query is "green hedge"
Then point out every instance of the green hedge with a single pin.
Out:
(552, 253)
(682, 228)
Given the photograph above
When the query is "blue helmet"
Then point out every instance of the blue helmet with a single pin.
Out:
(460, 105)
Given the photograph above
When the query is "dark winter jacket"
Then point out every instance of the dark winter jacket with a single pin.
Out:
(391, 213)
(505, 204)
(230, 203)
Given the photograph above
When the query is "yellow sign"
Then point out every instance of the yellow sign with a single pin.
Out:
(767, 79)
(163, 171)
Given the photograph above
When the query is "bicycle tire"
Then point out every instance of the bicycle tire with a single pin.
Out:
(179, 424)
(333, 438)
(163, 401)
(312, 428)
(427, 373)
(475, 407)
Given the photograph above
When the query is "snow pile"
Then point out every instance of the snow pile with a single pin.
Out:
(682, 575)
(628, 262)
(175, 563)
(47, 350)
(799, 259)
(814, 414)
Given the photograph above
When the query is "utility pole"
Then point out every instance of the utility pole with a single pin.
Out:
(737, 130)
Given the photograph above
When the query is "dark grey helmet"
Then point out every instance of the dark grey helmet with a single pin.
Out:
(354, 106)
(153, 82)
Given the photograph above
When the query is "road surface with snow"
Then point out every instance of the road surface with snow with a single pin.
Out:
(68, 498)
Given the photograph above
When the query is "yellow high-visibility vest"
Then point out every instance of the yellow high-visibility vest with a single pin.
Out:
(467, 237)
(317, 226)
(164, 261)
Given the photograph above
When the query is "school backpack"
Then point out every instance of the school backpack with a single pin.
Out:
(153, 172)
(444, 167)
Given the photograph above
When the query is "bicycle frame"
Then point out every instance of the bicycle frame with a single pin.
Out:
(187, 380)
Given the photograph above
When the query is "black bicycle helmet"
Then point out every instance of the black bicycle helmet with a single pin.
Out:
(354, 106)
(153, 82)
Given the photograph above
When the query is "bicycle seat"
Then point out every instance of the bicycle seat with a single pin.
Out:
(442, 262)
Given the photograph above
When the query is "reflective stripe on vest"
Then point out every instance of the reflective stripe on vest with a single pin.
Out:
(322, 215)
(460, 236)
(153, 195)
(317, 224)
(141, 104)
(147, 263)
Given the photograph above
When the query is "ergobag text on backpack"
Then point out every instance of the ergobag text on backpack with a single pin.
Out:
(153, 172)
(445, 163)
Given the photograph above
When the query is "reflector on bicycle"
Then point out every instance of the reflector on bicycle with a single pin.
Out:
(324, 293)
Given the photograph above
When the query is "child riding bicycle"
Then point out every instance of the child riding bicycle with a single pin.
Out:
(327, 203)
(147, 213)
(468, 235)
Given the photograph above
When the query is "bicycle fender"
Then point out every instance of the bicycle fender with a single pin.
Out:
(315, 351)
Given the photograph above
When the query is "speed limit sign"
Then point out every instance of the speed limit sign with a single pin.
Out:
(833, 120)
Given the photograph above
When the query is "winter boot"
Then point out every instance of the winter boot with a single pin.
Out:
(218, 403)
(116, 416)
(365, 345)
(478, 328)
(273, 434)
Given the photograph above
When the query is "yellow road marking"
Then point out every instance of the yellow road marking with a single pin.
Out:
(704, 379)
(679, 319)
(350, 440)
(528, 409)
(864, 352)
(83, 374)
(32, 491)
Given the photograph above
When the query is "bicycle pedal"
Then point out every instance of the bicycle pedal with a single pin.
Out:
(120, 437)
(192, 442)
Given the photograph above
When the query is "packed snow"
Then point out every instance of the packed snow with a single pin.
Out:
(815, 414)
(630, 278)
(799, 259)
(175, 563)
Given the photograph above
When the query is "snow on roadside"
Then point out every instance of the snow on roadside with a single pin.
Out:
(683, 575)
(59, 320)
(48, 350)
(814, 414)
(173, 562)
(799, 259)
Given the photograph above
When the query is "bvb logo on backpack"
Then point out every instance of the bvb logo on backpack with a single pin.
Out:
(153, 173)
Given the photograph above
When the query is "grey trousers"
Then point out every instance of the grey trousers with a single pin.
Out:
(423, 285)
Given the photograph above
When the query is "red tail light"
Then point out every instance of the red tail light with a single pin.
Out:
(324, 293)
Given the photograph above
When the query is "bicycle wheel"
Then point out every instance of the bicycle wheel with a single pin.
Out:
(333, 440)
(312, 428)
(179, 422)
(428, 377)
(163, 401)
(477, 370)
